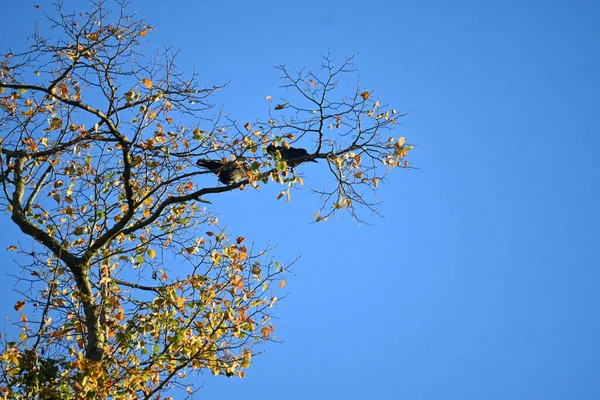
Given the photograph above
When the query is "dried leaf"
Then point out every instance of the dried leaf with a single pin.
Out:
(19, 306)
(56, 123)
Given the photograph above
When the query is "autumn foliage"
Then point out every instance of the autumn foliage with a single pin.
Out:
(132, 286)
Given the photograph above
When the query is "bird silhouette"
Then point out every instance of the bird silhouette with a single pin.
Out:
(228, 172)
(289, 154)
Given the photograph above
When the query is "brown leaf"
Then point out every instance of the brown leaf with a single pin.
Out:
(365, 95)
(55, 124)
(19, 306)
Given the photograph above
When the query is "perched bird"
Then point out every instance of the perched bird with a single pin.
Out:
(228, 172)
(289, 154)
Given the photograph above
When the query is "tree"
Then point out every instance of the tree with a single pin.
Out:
(99, 147)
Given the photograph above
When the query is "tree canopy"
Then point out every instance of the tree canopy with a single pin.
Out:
(105, 150)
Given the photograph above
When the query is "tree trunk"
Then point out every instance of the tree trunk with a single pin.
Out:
(94, 333)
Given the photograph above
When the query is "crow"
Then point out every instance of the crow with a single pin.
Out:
(228, 172)
(289, 154)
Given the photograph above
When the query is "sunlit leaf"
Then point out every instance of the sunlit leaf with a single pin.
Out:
(147, 83)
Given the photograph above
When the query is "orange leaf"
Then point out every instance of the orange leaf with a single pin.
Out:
(147, 83)
(120, 315)
(143, 33)
(282, 284)
(365, 95)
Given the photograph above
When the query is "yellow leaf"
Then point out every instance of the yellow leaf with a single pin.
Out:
(151, 253)
(180, 301)
(147, 83)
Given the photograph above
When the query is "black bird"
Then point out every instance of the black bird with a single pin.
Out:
(289, 154)
(228, 172)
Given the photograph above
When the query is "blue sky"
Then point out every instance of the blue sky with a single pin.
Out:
(483, 279)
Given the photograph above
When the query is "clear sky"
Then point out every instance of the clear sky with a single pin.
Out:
(483, 279)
